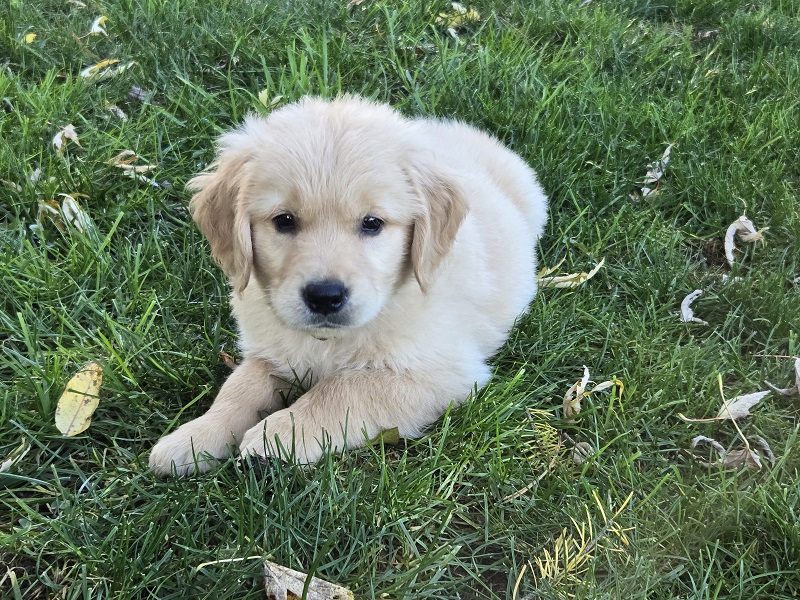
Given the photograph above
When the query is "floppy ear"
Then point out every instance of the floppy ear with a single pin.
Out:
(218, 210)
(443, 209)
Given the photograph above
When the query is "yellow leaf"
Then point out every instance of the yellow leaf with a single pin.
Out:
(79, 400)
(30, 37)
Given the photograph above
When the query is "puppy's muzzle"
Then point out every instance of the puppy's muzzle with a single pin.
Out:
(325, 297)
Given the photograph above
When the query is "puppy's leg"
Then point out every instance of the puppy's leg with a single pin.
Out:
(348, 408)
(251, 388)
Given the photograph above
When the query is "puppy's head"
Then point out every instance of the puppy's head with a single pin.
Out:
(329, 207)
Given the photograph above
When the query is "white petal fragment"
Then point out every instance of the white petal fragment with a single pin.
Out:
(740, 406)
(744, 228)
(687, 314)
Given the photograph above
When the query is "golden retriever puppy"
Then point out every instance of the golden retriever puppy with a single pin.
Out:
(385, 258)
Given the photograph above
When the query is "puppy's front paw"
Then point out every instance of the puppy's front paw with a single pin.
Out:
(193, 447)
(283, 436)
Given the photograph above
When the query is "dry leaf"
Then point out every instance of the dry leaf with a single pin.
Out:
(655, 171)
(739, 407)
(282, 583)
(104, 69)
(566, 281)
(68, 133)
(581, 452)
(746, 458)
(29, 38)
(125, 159)
(687, 314)
(16, 456)
(74, 214)
(97, 26)
(572, 399)
(744, 228)
(790, 391)
(458, 16)
(117, 112)
(79, 400)
(76, 3)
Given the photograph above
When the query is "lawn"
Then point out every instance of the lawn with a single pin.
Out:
(495, 502)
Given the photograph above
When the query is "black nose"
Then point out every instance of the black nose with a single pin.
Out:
(325, 297)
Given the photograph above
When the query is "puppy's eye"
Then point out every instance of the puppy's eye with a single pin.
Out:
(285, 223)
(371, 225)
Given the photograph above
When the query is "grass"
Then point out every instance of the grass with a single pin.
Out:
(589, 95)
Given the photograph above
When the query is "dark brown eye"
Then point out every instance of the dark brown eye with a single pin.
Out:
(285, 223)
(371, 225)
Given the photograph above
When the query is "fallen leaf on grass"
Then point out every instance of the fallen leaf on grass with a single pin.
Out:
(16, 456)
(740, 406)
(65, 134)
(746, 458)
(125, 159)
(97, 26)
(282, 583)
(79, 400)
(581, 452)
(790, 391)
(117, 112)
(744, 228)
(655, 171)
(570, 280)
(29, 38)
(733, 409)
(571, 404)
(687, 314)
(264, 98)
(105, 70)
(458, 16)
(74, 214)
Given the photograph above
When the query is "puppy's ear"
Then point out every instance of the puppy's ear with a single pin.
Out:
(444, 207)
(217, 208)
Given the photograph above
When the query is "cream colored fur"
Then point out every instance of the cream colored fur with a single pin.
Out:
(431, 296)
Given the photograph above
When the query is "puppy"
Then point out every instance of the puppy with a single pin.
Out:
(385, 258)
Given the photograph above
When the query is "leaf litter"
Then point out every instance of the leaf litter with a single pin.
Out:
(283, 583)
(687, 314)
(64, 135)
(79, 400)
(570, 280)
(744, 229)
